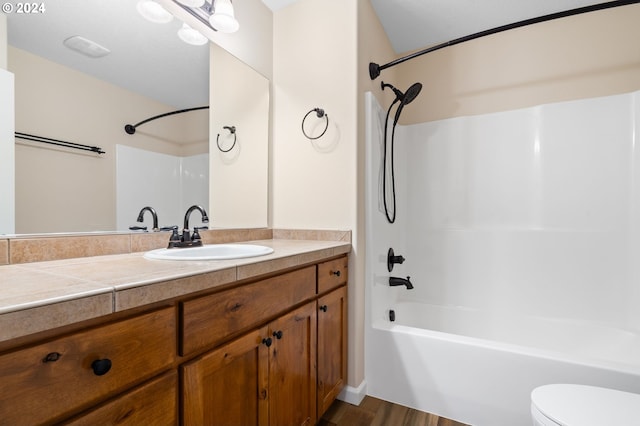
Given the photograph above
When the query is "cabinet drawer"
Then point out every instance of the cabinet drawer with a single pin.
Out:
(209, 320)
(332, 274)
(52, 380)
(154, 403)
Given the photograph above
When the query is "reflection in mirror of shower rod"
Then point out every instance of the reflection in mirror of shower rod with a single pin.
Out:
(58, 142)
(131, 129)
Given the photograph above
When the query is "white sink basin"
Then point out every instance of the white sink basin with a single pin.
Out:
(210, 252)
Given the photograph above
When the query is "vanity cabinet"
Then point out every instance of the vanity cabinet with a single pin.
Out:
(266, 377)
(285, 372)
(332, 347)
(332, 331)
(265, 352)
(51, 380)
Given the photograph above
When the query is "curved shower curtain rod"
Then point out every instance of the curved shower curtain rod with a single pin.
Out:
(374, 69)
(131, 129)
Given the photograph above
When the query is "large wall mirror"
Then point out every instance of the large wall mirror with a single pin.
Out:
(169, 163)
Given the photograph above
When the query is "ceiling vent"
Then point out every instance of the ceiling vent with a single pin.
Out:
(86, 47)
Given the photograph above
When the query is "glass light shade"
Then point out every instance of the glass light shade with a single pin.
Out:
(192, 3)
(191, 36)
(223, 18)
(153, 11)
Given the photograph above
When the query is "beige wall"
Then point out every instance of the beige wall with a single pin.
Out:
(588, 55)
(314, 184)
(239, 97)
(62, 190)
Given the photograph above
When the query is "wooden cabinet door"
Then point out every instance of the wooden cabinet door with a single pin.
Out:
(332, 347)
(228, 386)
(292, 370)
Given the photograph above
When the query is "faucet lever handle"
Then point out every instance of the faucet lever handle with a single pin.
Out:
(174, 234)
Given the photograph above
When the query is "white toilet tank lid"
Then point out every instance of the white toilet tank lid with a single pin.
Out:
(580, 405)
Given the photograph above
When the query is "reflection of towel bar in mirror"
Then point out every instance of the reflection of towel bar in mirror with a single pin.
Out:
(232, 130)
(320, 114)
(131, 129)
(58, 142)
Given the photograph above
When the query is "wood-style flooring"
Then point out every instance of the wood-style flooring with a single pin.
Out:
(376, 412)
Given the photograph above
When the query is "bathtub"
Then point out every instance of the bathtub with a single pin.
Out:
(480, 368)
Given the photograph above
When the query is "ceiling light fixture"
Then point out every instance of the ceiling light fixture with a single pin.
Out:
(191, 36)
(216, 14)
(192, 3)
(223, 18)
(153, 11)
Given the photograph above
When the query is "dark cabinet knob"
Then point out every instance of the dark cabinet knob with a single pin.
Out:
(101, 367)
(52, 357)
(267, 342)
(323, 308)
(277, 334)
(336, 273)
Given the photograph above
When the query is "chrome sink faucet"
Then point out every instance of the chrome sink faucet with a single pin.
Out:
(187, 239)
(153, 214)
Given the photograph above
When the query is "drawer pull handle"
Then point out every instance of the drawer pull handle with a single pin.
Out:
(323, 308)
(277, 334)
(101, 367)
(267, 341)
(336, 273)
(52, 357)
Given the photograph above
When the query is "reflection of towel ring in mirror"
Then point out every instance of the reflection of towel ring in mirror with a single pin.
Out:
(232, 130)
(319, 113)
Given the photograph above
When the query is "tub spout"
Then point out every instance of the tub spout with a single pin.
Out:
(397, 281)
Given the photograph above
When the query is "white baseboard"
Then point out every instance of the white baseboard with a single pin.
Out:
(354, 395)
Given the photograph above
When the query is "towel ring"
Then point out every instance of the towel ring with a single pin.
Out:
(232, 130)
(319, 113)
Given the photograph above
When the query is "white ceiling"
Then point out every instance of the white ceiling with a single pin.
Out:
(146, 58)
(415, 24)
(150, 59)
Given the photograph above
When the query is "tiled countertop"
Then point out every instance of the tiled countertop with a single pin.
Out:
(43, 295)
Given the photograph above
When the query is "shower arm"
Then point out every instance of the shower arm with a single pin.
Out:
(374, 69)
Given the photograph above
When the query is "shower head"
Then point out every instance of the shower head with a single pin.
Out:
(404, 98)
(409, 96)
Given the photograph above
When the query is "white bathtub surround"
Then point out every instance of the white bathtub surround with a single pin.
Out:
(168, 183)
(7, 153)
(520, 230)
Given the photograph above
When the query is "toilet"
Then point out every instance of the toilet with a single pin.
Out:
(580, 405)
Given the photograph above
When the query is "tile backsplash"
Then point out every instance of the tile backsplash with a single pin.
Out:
(39, 248)
(26, 249)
